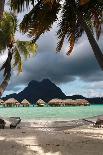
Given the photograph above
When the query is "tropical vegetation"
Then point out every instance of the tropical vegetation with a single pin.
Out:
(74, 18)
(77, 17)
(18, 50)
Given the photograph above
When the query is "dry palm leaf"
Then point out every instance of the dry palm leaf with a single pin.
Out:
(72, 41)
(83, 2)
(97, 22)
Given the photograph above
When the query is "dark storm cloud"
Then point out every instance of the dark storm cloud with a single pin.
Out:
(58, 67)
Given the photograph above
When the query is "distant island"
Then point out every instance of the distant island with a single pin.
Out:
(47, 90)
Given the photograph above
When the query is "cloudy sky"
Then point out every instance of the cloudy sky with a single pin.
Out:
(78, 73)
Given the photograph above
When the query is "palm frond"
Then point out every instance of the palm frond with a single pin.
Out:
(92, 12)
(40, 19)
(69, 26)
(7, 65)
(36, 22)
(26, 48)
(44, 13)
(72, 41)
(18, 60)
(19, 5)
(22, 51)
(8, 27)
(32, 48)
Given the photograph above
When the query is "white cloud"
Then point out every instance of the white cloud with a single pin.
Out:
(94, 93)
(96, 85)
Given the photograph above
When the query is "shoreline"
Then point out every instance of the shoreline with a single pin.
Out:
(58, 119)
(63, 120)
(59, 125)
(55, 123)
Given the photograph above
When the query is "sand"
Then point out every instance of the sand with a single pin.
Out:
(52, 138)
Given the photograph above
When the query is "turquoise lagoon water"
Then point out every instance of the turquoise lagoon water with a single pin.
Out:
(52, 113)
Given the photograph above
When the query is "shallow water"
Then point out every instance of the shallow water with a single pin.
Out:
(52, 113)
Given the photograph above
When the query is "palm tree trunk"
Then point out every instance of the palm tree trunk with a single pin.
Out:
(7, 73)
(96, 50)
(4, 84)
(2, 2)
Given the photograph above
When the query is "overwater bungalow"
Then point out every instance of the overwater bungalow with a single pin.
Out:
(1, 102)
(55, 102)
(82, 102)
(17, 104)
(25, 103)
(40, 103)
(11, 102)
(69, 102)
(77, 102)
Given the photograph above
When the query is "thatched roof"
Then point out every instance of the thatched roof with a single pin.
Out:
(82, 101)
(55, 101)
(25, 102)
(40, 101)
(17, 103)
(69, 102)
(11, 100)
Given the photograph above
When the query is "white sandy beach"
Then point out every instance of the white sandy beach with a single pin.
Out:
(52, 138)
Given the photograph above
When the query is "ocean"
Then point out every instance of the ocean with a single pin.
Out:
(52, 113)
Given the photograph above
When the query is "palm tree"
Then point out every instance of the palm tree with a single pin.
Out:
(18, 50)
(77, 16)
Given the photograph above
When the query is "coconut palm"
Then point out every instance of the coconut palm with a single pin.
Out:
(77, 16)
(18, 50)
